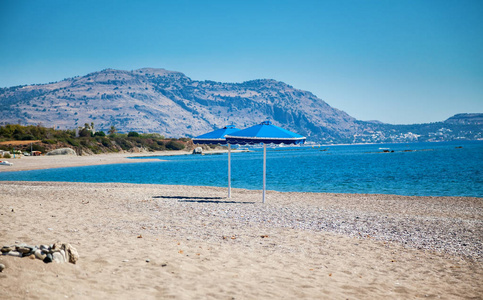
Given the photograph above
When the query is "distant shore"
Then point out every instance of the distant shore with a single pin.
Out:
(63, 161)
(164, 241)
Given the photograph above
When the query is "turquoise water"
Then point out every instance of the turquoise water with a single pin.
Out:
(423, 169)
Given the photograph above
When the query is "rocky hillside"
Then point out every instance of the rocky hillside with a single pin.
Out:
(171, 104)
(467, 119)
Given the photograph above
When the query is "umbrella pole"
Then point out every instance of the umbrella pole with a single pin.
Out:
(264, 169)
(229, 171)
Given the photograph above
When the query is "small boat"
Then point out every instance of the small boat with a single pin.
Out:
(6, 163)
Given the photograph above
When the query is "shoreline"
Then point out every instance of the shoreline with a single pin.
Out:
(26, 163)
(190, 243)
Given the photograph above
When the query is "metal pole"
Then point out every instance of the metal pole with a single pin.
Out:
(264, 169)
(229, 171)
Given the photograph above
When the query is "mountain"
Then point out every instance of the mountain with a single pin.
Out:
(170, 103)
(475, 119)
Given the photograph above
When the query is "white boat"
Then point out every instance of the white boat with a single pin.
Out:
(6, 163)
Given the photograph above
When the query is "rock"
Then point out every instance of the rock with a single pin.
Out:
(62, 151)
(15, 253)
(24, 249)
(2, 267)
(198, 150)
(39, 254)
(64, 255)
(70, 253)
(56, 247)
(44, 247)
(48, 258)
(58, 257)
(6, 249)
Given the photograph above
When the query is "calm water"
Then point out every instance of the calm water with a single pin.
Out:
(426, 169)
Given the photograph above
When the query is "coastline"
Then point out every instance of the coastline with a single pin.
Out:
(162, 241)
(192, 242)
(26, 163)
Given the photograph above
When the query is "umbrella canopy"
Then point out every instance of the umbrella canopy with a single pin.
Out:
(215, 137)
(264, 133)
(218, 137)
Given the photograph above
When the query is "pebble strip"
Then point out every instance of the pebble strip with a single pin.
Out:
(450, 235)
(58, 252)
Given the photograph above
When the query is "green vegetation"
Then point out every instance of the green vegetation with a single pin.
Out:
(86, 142)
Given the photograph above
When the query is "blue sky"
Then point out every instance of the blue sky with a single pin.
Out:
(396, 61)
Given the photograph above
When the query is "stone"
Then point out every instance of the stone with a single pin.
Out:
(62, 151)
(39, 254)
(48, 258)
(64, 255)
(58, 257)
(24, 249)
(15, 253)
(56, 246)
(198, 150)
(70, 253)
(44, 247)
(6, 249)
(2, 267)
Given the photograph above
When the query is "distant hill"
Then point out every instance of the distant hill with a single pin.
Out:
(170, 103)
(475, 119)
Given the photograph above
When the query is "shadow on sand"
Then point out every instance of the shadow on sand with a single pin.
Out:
(201, 199)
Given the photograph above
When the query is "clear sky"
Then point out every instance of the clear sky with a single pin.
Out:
(396, 61)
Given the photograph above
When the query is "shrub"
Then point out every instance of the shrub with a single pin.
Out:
(173, 145)
(37, 147)
(46, 141)
(73, 142)
(6, 155)
(100, 133)
(133, 134)
(105, 142)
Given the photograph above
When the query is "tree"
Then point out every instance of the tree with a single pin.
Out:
(112, 131)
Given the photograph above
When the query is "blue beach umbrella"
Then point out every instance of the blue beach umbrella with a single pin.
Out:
(217, 137)
(264, 133)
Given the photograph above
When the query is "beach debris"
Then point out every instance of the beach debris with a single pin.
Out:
(264, 236)
(2, 267)
(58, 252)
(140, 236)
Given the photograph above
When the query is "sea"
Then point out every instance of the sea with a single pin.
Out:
(412, 169)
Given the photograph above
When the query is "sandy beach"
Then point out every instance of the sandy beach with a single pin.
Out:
(62, 161)
(178, 242)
